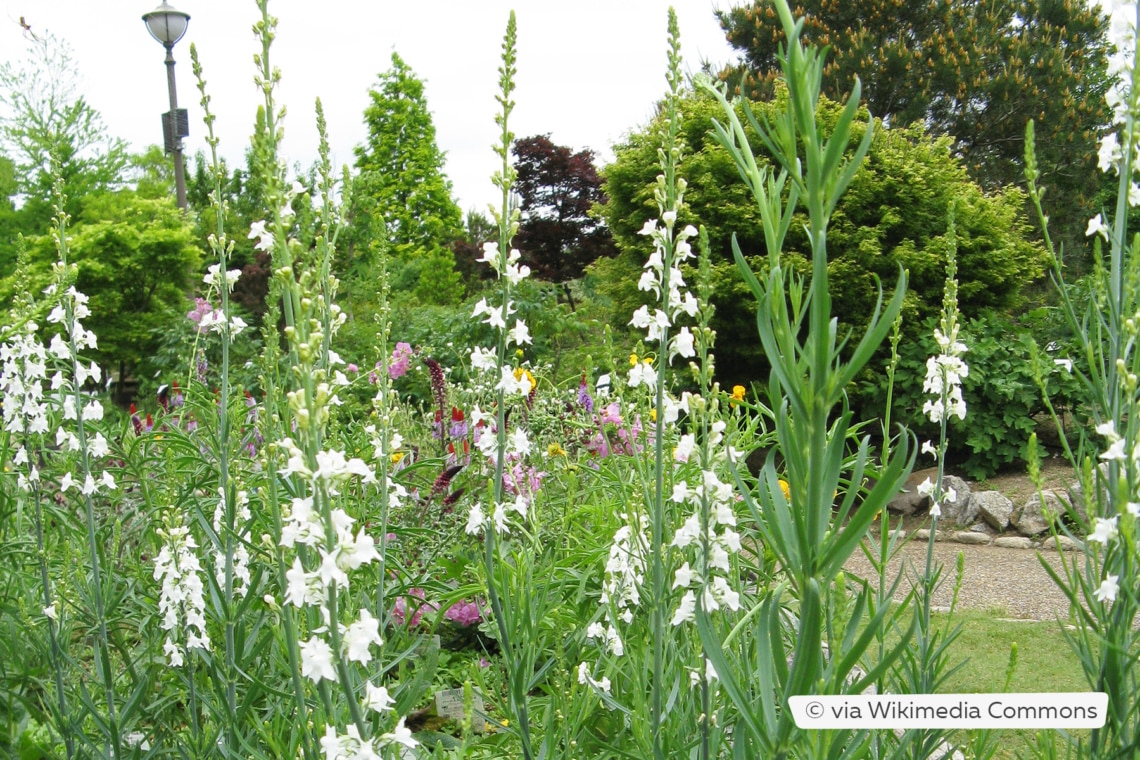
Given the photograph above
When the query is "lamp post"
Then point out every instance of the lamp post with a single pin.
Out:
(167, 25)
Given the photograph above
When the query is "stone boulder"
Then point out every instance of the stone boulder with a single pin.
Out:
(1039, 512)
(957, 509)
(993, 507)
(909, 501)
(1077, 495)
(1013, 542)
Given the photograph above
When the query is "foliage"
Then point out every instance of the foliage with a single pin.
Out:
(401, 198)
(558, 190)
(810, 170)
(1003, 392)
(136, 260)
(976, 71)
(893, 215)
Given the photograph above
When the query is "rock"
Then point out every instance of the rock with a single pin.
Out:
(1077, 496)
(993, 507)
(923, 534)
(958, 508)
(1013, 542)
(980, 527)
(1039, 512)
(1067, 544)
(909, 500)
(969, 537)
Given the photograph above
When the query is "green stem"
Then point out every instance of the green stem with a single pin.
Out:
(62, 721)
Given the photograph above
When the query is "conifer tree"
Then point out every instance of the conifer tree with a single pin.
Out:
(401, 198)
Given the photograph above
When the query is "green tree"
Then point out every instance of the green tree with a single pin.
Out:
(401, 199)
(976, 70)
(42, 119)
(136, 260)
(894, 213)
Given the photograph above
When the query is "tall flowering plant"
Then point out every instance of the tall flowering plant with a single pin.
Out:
(504, 444)
(924, 664)
(1102, 582)
(808, 380)
(674, 553)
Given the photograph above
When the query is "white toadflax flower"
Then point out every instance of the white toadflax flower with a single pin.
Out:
(181, 600)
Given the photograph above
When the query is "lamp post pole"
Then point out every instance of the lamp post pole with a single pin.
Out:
(176, 148)
(167, 26)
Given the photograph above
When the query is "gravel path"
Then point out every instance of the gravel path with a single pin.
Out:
(1010, 580)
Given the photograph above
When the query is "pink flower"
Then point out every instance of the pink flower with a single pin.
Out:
(400, 609)
(398, 364)
(202, 308)
(611, 413)
(464, 613)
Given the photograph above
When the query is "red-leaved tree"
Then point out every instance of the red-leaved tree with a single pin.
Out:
(559, 236)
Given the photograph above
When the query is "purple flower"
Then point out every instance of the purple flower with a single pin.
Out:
(352, 368)
(398, 363)
(458, 427)
(525, 481)
(584, 398)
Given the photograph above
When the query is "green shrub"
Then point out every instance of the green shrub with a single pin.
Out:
(894, 214)
(1003, 398)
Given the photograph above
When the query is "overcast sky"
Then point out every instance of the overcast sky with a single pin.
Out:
(589, 71)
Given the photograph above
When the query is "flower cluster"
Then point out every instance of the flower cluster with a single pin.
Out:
(401, 358)
(621, 588)
(205, 315)
(23, 369)
(348, 551)
(352, 746)
(511, 449)
(1104, 533)
(240, 560)
(68, 313)
(203, 310)
(944, 373)
(715, 543)
(662, 270)
(181, 600)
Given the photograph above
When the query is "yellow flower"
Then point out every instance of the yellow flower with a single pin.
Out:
(787, 489)
(554, 450)
(397, 457)
(648, 361)
(737, 394)
(633, 360)
(653, 414)
(530, 378)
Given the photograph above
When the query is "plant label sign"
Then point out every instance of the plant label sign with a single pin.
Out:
(449, 704)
